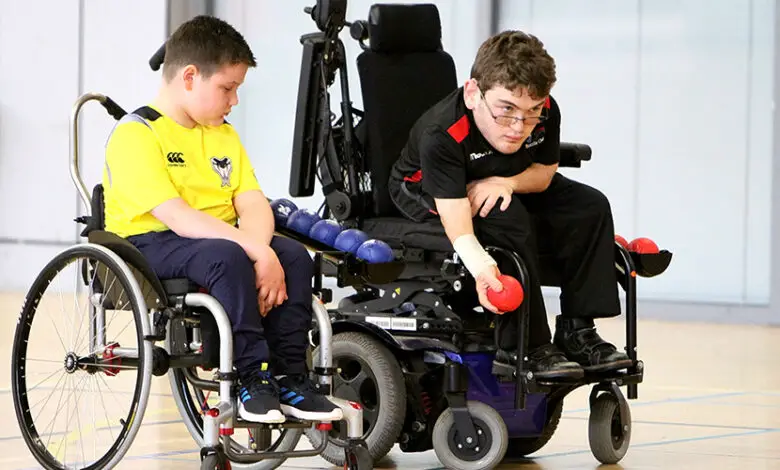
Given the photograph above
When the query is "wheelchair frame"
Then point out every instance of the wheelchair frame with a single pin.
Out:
(171, 301)
(325, 148)
(315, 153)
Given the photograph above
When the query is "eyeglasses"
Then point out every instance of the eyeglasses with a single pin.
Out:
(506, 120)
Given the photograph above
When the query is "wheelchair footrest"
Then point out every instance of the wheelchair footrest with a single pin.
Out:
(256, 456)
(632, 376)
(290, 423)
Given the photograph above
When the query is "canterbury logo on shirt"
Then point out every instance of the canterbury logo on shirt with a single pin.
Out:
(175, 159)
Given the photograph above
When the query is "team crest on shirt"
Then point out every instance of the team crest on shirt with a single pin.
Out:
(223, 167)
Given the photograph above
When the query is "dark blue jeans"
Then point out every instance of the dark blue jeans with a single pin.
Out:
(225, 270)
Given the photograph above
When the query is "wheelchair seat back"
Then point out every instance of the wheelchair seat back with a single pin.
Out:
(95, 231)
(404, 72)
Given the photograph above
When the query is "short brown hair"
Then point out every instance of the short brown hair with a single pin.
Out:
(208, 43)
(514, 59)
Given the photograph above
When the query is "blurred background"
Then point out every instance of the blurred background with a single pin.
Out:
(676, 98)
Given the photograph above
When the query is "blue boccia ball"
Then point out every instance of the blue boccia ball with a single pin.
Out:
(325, 231)
(350, 240)
(375, 251)
(282, 208)
(302, 221)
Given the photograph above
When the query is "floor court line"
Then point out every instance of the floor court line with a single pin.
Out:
(668, 442)
(702, 425)
(635, 403)
(542, 456)
(691, 425)
(751, 405)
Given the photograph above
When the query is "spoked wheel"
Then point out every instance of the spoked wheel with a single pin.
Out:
(81, 368)
(193, 401)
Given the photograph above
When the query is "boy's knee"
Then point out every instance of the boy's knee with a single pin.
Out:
(226, 254)
(293, 255)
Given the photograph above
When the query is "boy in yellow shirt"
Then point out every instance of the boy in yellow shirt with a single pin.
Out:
(177, 181)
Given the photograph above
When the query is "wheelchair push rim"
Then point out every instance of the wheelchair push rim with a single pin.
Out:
(112, 370)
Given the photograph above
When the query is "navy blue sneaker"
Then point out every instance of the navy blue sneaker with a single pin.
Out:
(258, 399)
(301, 400)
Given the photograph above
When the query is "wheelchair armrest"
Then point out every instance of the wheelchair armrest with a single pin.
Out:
(572, 154)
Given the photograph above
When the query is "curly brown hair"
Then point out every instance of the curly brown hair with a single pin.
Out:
(514, 59)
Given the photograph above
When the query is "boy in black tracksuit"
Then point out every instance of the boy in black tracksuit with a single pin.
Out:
(484, 160)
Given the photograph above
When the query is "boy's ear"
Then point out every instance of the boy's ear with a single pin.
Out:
(471, 93)
(188, 74)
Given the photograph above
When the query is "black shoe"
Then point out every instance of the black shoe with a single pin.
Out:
(258, 399)
(578, 339)
(546, 362)
(301, 400)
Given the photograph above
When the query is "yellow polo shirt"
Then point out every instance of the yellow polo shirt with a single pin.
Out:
(151, 159)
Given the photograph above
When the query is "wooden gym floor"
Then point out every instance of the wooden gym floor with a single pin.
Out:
(711, 399)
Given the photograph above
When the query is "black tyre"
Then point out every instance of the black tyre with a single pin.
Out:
(359, 459)
(370, 375)
(98, 352)
(492, 439)
(609, 441)
(215, 462)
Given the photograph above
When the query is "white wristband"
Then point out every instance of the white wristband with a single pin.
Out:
(474, 257)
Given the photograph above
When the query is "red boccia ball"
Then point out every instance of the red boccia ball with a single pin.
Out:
(643, 245)
(510, 297)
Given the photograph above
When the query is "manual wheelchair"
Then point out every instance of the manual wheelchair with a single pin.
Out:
(166, 326)
(112, 279)
(415, 352)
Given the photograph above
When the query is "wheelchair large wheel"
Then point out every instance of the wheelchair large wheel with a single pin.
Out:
(370, 375)
(492, 439)
(192, 401)
(87, 341)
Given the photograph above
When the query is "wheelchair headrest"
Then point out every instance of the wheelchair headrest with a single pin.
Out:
(404, 28)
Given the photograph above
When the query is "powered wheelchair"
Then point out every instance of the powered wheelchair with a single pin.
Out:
(415, 352)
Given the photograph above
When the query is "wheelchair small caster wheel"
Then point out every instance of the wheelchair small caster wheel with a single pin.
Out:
(486, 453)
(608, 439)
(358, 458)
(216, 460)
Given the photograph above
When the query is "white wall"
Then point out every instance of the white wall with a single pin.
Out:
(675, 97)
(636, 79)
(74, 47)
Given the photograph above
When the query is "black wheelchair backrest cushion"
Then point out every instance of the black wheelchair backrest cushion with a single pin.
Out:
(399, 28)
(403, 74)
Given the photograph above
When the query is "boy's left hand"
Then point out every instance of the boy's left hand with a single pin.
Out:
(269, 279)
(484, 194)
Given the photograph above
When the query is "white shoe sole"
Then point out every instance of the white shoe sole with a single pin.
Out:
(335, 415)
(272, 417)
